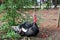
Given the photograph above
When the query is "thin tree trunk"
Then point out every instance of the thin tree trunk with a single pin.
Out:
(59, 19)
(0, 2)
(55, 3)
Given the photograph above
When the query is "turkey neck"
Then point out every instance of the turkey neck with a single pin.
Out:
(34, 18)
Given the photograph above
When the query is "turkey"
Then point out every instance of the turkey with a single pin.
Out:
(27, 29)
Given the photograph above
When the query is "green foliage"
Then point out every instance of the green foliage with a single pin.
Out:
(12, 6)
(48, 4)
(4, 27)
(58, 2)
(9, 33)
(2, 8)
(18, 4)
(11, 15)
(3, 18)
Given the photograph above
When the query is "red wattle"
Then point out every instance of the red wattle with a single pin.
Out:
(35, 19)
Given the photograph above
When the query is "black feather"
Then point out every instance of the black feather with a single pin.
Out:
(32, 29)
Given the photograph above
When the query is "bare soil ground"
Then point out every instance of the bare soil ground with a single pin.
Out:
(50, 23)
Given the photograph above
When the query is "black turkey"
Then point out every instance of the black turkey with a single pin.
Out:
(27, 29)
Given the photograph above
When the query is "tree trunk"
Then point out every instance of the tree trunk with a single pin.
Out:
(0, 2)
(59, 19)
(55, 3)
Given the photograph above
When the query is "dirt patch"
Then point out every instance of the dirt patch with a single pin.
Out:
(50, 23)
(50, 18)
